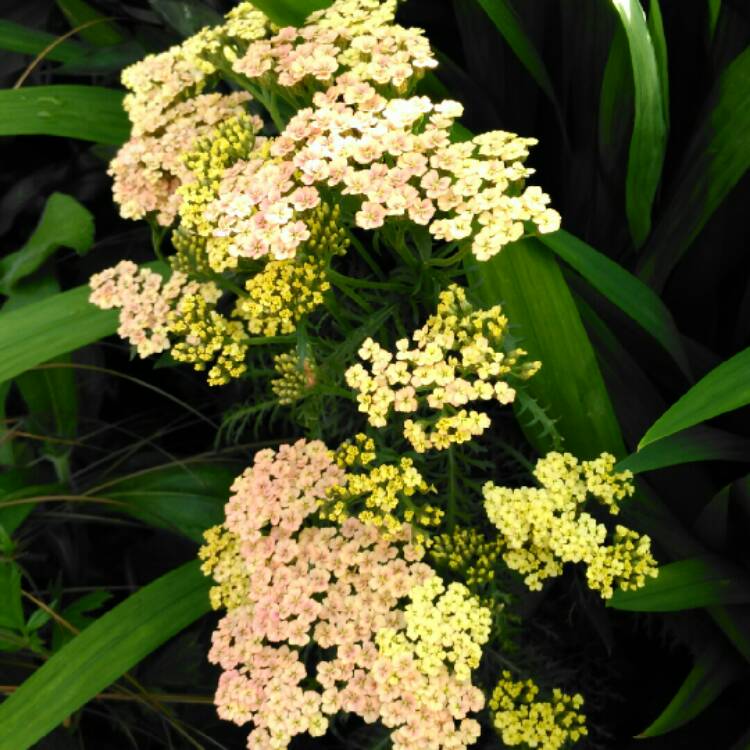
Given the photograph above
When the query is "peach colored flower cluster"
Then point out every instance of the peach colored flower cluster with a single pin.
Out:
(459, 356)
(149, 168)
(145, 301)
(286, 584)
(357, 36)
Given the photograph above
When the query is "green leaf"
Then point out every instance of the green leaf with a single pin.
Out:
(188, 498)
(101, 654)
(46, 329)
(526, 280)
(656, 29)
(78, 614)
(64, 223)
(290, 12)
(695, 444)
(715, 669)
(102, 34)
(704, 581)
(186, 16)
(725, 388)
(11, 609)
(507, 22)
(621, 288)
(649, 138)
(17, 38)
(65, 110)
(716, 159)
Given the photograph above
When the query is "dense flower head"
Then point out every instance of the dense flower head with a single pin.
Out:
(148, 170)
(458, 356)
(543, 528)
(386, 495)
(207, 335)
(294, 377)
(286, 582)
(145, 301)
(468, 552)
(523, 720)
(351, 36)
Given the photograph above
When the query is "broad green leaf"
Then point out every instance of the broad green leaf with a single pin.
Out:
(507, 22)
(11, 609)
(526, 280)
(648, 141)
(656, 29)
(16, 484)
(17, 38)
(699, 443)
(102, 34)
(186, 16)
(188, 498)
(290, 12)
(101, 654)
(718, 156)
(714, 11)
(78, 614)
(65, 110)
(725, 388)
(615, 102)
(704, 581)
(621, 288)
(64, 223)
(715, 668)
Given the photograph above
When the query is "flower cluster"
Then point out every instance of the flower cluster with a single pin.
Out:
(460, 355)
(285, 583)
(543, 528)
(468, 552)
(294, 378)
(356, 36)
(522, 720)
(444, 627)
(145, 301)
(384, 496)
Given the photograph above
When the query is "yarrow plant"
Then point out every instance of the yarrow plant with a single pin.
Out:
(312, 230)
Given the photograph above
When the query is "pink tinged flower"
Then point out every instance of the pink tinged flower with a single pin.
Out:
(304, 198)
(370, 216)
(422, 212)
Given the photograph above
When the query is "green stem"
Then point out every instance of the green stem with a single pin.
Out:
(337, 277)
(450, 513)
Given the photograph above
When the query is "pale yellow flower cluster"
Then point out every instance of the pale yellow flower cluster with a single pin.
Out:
(545, 725)
(207, 335)
(458, 356)
(294, 378)
(384, 496)
(544, 528)
(444, 627)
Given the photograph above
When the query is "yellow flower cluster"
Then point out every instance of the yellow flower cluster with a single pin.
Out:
(280, 295)
(444, 627)
(223, 561)
(382, 495)
(469, 552)
(207, 335)
(545, 725)
(459, 356)
(543, 528)
(190, 255)
(294, 378)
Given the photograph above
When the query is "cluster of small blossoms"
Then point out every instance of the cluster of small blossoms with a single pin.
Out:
(383, 495)
(397, 157)
(149, 168)
(468, 552)
(445, 628)
(294, 378)
(522, 720)
(207, 335)
(286, 584)
(356, 36)
(459, 356)
(145, 301)
(543, 528)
